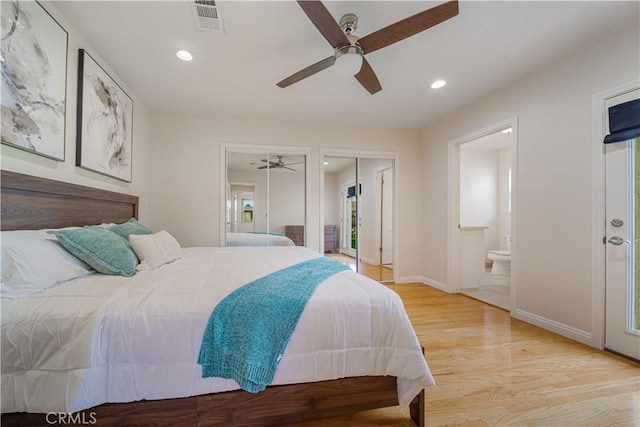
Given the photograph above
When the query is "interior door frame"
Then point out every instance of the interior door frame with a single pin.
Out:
(364, 154)
(598, 249)
(454, 276)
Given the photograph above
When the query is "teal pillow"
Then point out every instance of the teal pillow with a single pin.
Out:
(104, 251)
(130, 227)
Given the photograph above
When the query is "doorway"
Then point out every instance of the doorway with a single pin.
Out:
(482, 183)
(349, 221)
(358, 195)
(622, 215)
(242, 208)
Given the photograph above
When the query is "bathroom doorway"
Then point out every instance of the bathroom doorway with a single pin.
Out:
(482, 183)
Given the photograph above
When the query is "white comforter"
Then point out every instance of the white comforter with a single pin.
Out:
(104, 339)
(258, 239)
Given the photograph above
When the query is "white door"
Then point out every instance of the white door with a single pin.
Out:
(386, 244)
(622, 320)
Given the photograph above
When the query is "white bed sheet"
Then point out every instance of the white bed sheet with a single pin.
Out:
(258, 239)
(104, 339)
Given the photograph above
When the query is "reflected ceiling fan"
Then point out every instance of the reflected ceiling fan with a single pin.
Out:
(351, 49)
(279, 164)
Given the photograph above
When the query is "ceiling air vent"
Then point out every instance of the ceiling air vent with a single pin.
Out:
(208, 17)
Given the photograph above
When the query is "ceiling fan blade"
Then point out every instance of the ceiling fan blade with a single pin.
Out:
(368, 78)
(324, 22)
(296, 163)
(309, 71)
(284, 167)
(408, 27)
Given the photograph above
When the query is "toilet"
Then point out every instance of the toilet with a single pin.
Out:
(501, 260)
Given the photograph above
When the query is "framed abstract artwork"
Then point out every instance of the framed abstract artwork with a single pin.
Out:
(105, 122)
(34, 79)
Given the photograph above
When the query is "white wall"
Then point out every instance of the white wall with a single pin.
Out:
(184, 182)
(332, 204)
(478, 187)
(553, 240)
(16, 160)
(479, 192)
(504, 214)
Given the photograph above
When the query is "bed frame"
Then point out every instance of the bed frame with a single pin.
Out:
(30, 202)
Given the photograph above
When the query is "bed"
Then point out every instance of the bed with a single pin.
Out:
(186, 399)
(258, 239)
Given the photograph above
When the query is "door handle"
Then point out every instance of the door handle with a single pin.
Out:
(617, 240)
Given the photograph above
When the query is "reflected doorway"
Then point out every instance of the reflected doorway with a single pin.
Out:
(349, 217)
(242, 208)
(359, 204)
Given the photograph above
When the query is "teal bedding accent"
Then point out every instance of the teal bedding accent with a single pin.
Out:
(130, 227)
(104, 251)
(250, 329)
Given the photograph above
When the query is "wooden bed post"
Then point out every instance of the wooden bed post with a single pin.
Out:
(417, 408)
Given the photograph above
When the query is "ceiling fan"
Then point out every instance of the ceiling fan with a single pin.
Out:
(279, 164)
(349, 48)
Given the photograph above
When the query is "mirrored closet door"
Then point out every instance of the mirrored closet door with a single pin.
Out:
(265, 198)
(358, 213)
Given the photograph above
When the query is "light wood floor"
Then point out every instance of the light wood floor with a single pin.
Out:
(379, 273)
(493, 370)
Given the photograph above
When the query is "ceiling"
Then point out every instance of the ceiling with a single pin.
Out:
(489, 45)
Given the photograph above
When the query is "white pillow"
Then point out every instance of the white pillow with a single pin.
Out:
(154, 250)
(33, 261)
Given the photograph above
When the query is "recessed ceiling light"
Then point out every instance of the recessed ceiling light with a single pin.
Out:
(325, 163)
(184, 55)
(438, 84)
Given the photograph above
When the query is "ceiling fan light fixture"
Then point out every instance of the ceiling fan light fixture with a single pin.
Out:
(348, 60)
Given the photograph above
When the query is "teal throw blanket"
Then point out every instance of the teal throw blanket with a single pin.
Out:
(250, 329)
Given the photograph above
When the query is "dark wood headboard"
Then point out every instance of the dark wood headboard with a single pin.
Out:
(32, 203)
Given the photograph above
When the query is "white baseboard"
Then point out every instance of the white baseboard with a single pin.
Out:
(409, 279)
(556, 327)
(426, 281)
(369, 261)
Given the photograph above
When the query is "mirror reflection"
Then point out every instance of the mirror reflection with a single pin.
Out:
(358, 219)
(265, 199)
